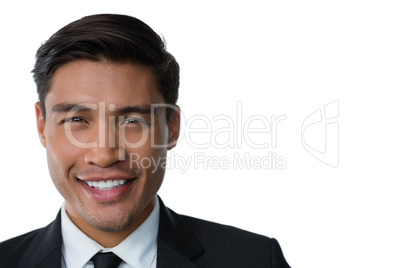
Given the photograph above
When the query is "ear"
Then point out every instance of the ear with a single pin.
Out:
(174, 128)
(40, 124)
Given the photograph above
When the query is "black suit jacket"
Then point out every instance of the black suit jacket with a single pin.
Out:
(182, 242)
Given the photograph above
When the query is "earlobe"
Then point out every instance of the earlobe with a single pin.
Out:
(40, 124)
(174, 128)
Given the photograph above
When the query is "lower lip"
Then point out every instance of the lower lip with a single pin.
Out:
(107, 195)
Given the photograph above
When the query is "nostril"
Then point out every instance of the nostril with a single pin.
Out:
(102, 157)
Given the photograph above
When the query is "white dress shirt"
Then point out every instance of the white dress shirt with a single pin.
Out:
(138, 250)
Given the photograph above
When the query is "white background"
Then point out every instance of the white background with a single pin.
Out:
(276, 57)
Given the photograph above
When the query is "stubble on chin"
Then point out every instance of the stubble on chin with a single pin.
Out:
(111, 221)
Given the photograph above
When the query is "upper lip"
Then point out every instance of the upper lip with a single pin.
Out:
(106, 178)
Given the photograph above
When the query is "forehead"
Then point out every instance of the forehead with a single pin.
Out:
(93, 82)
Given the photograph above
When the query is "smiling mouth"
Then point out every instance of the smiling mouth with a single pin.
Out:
(105, 185)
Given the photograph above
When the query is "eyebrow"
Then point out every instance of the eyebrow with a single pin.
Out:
(134, 109)
(67, 107)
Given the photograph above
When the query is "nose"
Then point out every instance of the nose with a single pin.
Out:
(102, 156)
(106, 152)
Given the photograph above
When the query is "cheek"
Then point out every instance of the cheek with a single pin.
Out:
(151, 161)
(56, 171)
(155, 171)
(139, 137)
(149, 144)
(61, 156)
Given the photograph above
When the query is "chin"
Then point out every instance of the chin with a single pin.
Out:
(110, 223)
(109, 219)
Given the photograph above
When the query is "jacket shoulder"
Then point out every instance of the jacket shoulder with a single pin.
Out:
(13, 249)
(228, 246)
(209, 231)
(38, 248)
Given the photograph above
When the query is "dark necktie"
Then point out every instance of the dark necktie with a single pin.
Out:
(106, 260)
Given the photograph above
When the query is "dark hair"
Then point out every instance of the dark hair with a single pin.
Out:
(112, 38)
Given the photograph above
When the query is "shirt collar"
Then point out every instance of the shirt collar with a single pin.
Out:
(137, 250)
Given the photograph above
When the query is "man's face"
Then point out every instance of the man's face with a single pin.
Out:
(94, 150)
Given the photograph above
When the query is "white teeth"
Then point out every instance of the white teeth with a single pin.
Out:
(106, 185)
(102, 184)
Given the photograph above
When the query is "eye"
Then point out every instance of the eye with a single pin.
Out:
(74, 120)
(132, 121)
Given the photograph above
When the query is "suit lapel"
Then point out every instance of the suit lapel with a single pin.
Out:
(177, 244)
(168, 258)
(45, 249)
